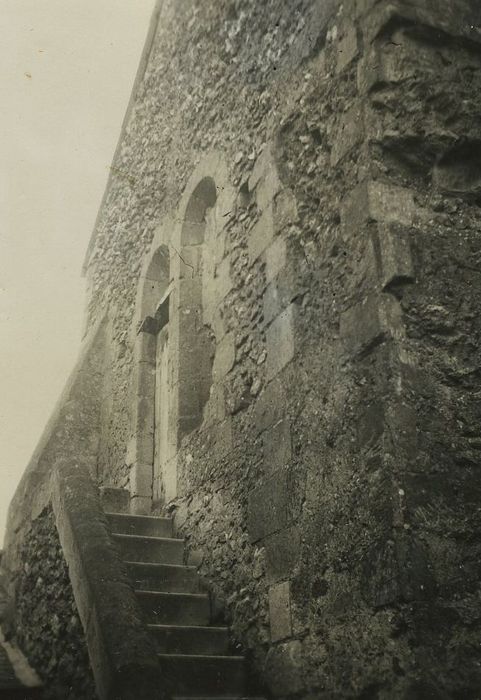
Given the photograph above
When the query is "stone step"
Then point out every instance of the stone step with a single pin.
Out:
(140, 525)
(20, 692)
(216, 676)
(168, 578)
(187, 639)
(158, 550)
(175, 608)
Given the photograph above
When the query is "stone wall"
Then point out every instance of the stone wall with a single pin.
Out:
(330, 493)
(48, 628)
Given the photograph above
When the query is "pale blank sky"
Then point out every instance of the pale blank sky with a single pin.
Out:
(68, 68)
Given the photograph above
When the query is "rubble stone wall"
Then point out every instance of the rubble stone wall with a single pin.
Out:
(48, 628)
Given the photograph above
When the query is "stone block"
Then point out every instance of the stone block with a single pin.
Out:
(140, 480)
(364, 6)
(395, 255)
(144, 416)
(280, 341)
(368, 323)
(218, 324)
(275, 258)
(282, 553)
(371, 425)
(402, 421)
(269, 407)
(141, 505)
(347, 48)
(145, 348)
(277, 445)
(140, 449)
(455, 19)
(376, 201)
(284, 209)
(262, 165)
(280, 611)
(222, 280)
(273, 302)
(274, 504)
(170, 479)
(224, 359)
(219, 248)
(192, 232)
(223, 442)
(190, 393)
(214, 410)
(190, 262)
(395, 62)
(261, 235)
(267, 189)
(283, 289)
(349, 133)
(114, 500)
(190, 293)
(144, 380)
(283, 669)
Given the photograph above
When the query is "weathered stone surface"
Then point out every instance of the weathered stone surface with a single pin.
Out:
(395, 255)
(369, 323)
(274, 504)
(280, 341)
(261, 234)
(269, 407)
(349, 133)
(224, 357)
(123, 662)
(282, 553)
(277, 445)
(377, 201)
(48, 627)
(276, 258)
(284, 669)
(280, 611)
(347, 48)
(388, 437)
(114, 500)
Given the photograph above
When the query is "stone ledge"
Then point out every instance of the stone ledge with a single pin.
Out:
(123, 660)
(442, 16)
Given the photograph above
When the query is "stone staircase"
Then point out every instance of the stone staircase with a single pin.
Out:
(194, 655)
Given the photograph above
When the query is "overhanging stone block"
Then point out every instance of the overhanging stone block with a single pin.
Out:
(368, 323)
(395, 255)
(455, 19)
(373, 200)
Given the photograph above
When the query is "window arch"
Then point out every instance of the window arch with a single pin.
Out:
(196, 345)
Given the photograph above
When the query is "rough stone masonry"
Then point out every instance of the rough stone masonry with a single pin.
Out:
(286, 267)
